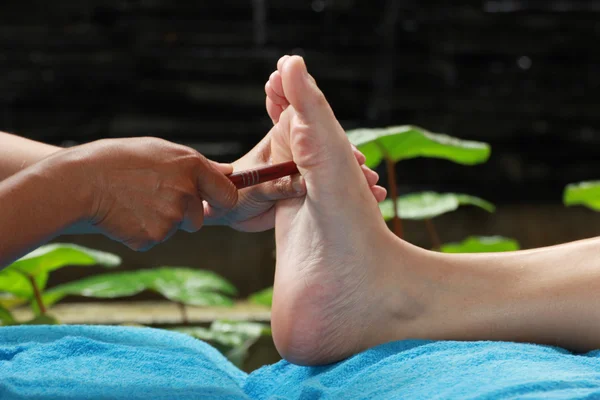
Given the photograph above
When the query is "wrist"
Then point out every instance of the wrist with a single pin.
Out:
(63, 173)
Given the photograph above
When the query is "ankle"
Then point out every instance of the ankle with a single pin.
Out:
(456, 297)
(406, 283)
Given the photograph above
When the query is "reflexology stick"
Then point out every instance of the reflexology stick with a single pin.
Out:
(251, 177)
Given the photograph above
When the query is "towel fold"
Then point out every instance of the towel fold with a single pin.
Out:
(104, 362)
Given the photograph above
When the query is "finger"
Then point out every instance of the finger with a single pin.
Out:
(260, 223)
(274, 110)
(214, 186)
(360, 157)
(372, 176)
(194, 215)
(283, 188)
(379, 192)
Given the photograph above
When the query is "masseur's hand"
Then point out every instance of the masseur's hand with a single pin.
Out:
(142, 190)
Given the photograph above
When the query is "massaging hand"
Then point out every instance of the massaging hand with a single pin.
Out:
(142, 190)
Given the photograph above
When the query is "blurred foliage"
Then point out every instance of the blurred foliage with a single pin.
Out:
(263, 298)
(425, 205)
(232, 338)
(482, 244)
(583, 193)
(183, 285)
(404, 142)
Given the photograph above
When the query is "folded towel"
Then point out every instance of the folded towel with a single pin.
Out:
(103, 362)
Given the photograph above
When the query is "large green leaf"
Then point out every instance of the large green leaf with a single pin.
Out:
(482, 244)
(6, 317)
(583, 193)
(263, 297)
(185, 285)
(232, 338)
(18, 285)
(54, 256)
(426, 205)
(404, 142)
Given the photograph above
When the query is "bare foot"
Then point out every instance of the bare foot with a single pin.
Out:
(330, 291)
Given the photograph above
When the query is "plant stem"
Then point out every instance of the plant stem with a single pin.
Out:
(37, 294)
(433, 235)
(184, 316)
(391, 173)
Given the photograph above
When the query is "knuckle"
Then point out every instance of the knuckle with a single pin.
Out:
(174, 214)
(197, 158)
(157, 235)
(283, 186)
(188, 188)
(153, 234)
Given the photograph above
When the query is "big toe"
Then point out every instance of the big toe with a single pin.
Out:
(302, 92)
(318, 143)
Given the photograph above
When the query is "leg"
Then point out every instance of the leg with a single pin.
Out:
(345, 283)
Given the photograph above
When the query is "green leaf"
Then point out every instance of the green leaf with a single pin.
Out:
(6, 317)
(482, 244)
(244, 328)
(18, 285)
(426, 205)
(54, 256)
(263, 297)
(185, 285)
(583, 193)
(404, 142)
(190, 286)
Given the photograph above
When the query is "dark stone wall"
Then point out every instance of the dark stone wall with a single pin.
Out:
(520, 74)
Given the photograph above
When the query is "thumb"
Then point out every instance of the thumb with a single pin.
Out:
(224, 168)
(214, 186)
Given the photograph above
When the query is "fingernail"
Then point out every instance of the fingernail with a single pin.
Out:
(298, 184)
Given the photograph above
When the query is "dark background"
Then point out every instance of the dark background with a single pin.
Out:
(520, 74)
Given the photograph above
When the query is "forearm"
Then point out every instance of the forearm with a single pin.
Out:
(548, 296)
(17, 153)
(35, 206)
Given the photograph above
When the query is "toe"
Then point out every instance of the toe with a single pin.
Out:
(274, 93)
(282, 61)
(360, 157)
(371, 176)
(302, 92)
(274, 110)
(277, 86)
(379, 193)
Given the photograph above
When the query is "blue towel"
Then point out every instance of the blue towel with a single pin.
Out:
(97, 362)
(93, 362)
